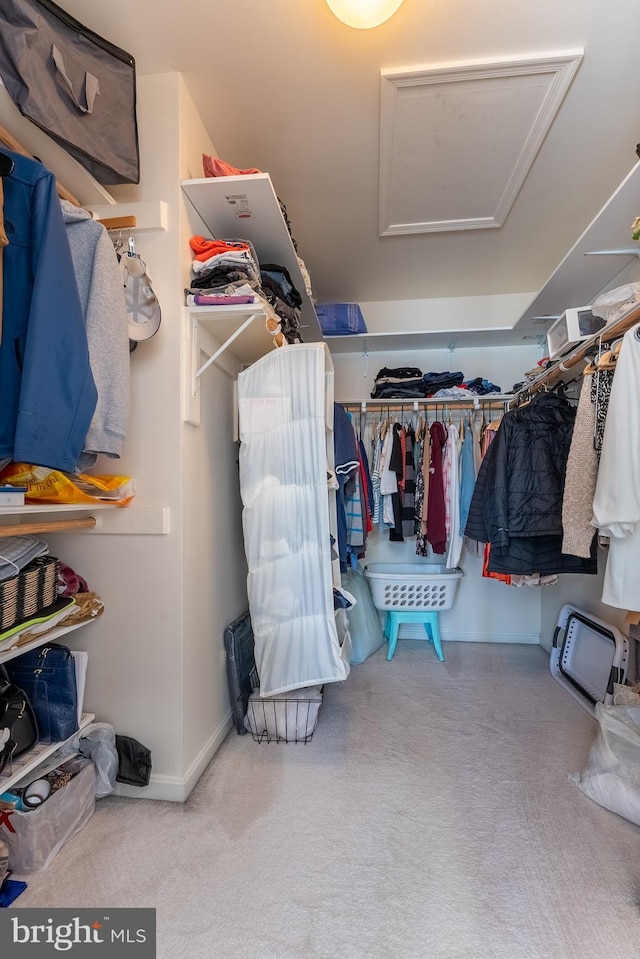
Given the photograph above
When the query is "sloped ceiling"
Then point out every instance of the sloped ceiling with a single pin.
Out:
(287, 88)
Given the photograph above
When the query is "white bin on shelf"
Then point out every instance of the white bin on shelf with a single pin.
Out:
(412, 586)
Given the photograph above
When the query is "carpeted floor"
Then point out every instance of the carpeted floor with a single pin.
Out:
(430, 817)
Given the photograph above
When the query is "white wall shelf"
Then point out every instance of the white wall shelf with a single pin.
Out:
(111, 520)
(430, 340)
(10, 648)
(150, 214)
(238, 329)
(30, 760)
(246, 207)
(600, 260)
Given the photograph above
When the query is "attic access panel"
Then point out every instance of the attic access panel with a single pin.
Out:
(457, 141)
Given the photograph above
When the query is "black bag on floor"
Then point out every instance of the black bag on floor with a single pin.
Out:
(76, 86)
(134, 762)
(16, 716)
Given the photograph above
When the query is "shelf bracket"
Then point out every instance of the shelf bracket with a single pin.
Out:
(365, 361)
(633, 252)
(227, 342)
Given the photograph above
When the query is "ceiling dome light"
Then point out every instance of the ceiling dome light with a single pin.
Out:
(363, 14)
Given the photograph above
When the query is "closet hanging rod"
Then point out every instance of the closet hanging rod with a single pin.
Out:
(48, 526)
(496, 401)
(119, 222)
(10, 142)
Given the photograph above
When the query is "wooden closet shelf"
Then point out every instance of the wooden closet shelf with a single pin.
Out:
(30, 760)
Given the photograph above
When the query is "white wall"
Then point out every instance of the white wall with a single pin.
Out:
(583, 592)
(504, 365)
(446, 313)
(214, 567)
(157, 664)
(135, 663)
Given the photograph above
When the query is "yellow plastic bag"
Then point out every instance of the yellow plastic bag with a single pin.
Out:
(53, 486)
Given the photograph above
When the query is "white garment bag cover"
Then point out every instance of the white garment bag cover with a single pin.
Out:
(283, 484)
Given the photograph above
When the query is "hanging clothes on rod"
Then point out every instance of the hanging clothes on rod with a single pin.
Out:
(414, 491)
(100, 287)
(581, 476)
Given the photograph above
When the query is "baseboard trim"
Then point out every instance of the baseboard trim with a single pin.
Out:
(546, 643)
(176, 788)
(413, 631)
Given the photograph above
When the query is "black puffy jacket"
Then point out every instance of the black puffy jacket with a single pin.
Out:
(521, 480)
(517, 500)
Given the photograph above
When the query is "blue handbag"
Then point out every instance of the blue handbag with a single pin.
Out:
(48, 677)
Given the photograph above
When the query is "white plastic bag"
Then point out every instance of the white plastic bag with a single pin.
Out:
(617, 303)
(612, 774)
(364, 622)
(97, 742)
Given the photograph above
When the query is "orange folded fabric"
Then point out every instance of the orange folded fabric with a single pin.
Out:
(214, 166)
(204, 249)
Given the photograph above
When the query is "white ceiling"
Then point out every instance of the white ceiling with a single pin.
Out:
(287, 88)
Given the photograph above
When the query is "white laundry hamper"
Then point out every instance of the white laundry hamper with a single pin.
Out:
(412, 586)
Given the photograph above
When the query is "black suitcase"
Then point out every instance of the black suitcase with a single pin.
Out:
(241, 667)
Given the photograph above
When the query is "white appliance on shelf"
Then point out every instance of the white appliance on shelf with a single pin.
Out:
(588, 656)
(575, 324)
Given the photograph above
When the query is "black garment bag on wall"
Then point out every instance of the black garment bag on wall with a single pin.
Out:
(74, 85)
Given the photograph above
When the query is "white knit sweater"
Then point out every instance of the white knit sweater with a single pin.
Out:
(580, 480)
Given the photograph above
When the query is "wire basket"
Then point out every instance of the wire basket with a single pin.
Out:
(286, 718)
(412, 586)
(30, 591)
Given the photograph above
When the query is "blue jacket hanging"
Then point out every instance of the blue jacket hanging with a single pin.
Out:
(47, 393)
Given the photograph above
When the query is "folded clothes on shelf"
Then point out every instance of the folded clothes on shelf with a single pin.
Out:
(481, 387)
(17, 551)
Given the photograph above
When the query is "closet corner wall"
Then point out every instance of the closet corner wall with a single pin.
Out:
(157, 668)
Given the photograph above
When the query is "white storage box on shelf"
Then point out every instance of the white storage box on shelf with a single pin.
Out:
(412, 586)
